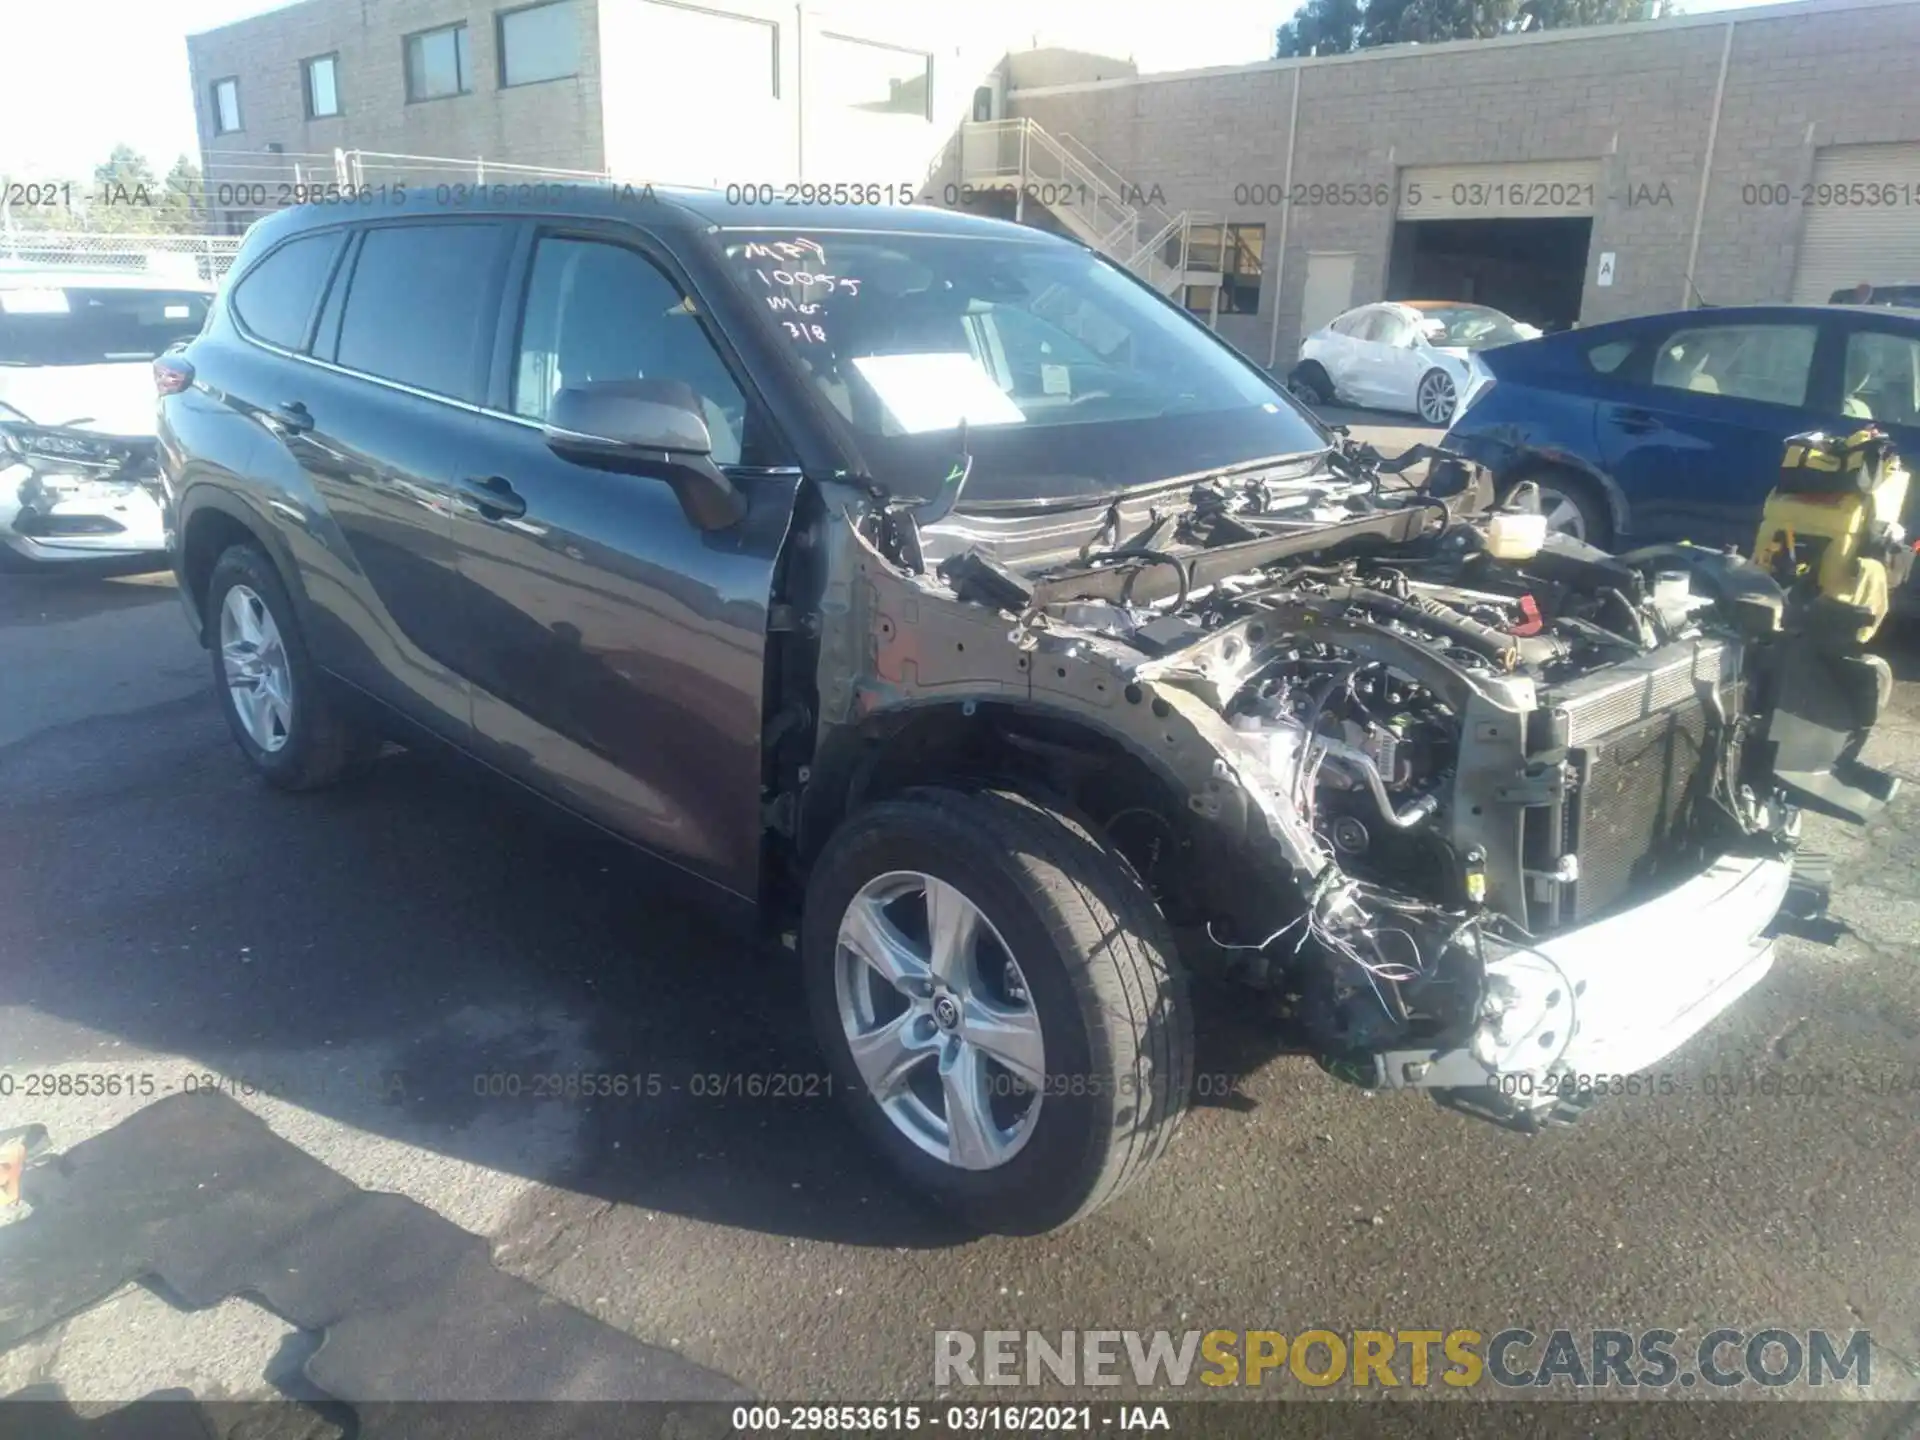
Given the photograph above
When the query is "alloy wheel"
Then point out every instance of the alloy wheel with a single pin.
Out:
(939, 1020)
(1436, 398)
(254, 660)
(1564, 517)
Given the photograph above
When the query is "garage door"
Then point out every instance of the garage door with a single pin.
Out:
(1861, 222)
(1523, 190)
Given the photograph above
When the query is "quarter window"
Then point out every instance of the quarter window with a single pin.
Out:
(541, 42)
(226, 106)
(274, 300)
(323, 86)
(438, 63)
(1609, 356)
(1753, 362)
(602, 312)
(414, 311)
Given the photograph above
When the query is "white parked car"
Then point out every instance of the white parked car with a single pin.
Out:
(1411, 355)
(78, 406)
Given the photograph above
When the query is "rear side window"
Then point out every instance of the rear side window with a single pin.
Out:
(416, 308)
(78, 326)
(274, 300)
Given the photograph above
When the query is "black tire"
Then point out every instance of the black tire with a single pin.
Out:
(1595, 518)
(1310, 383)
(324, 742)
(1102, 974)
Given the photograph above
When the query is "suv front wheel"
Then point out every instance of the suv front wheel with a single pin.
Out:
(1000, 1002)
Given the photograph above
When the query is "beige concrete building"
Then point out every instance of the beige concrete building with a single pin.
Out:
(1750, 155)
(1568, 177)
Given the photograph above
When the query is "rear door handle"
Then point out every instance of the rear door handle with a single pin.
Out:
(494, 497)
(1635, 422)
(293, 417)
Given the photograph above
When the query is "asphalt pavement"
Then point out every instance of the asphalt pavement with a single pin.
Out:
(373, 970)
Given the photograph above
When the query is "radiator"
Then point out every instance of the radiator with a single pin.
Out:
(1642, 738)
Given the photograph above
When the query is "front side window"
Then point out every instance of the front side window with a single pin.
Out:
(865, 75)
(274, 300)
(226, 106)
(1771, 363)
(1072, 378)
(438, 63)
(323, 87)
(1388, 327)
(1882, 379)
(541, 42)
(596, 311)
(412, 312)
(81, 326)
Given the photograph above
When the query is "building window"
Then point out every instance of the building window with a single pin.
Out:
(706, 42)
(1241, 249)
(541, 42)
(438, 63)
(323, 87)
(226, 106)
(863, 75)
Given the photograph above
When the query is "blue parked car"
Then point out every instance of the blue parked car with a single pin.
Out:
(1671, 427)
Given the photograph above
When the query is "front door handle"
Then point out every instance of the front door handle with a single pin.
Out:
(494, 497)
(1634, 421)
(293, 417)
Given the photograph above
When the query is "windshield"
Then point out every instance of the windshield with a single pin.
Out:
(1472, 327)
(1071, 378)
(59, 326)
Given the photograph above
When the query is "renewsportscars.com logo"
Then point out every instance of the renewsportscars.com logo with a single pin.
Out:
(1514, 1358)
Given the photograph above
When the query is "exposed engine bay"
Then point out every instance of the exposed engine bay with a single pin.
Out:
(1457, 737)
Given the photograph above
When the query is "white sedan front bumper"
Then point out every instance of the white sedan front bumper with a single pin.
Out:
(52, 518)
(1610, 999)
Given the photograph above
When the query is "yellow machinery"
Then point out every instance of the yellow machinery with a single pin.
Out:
(1831, 527)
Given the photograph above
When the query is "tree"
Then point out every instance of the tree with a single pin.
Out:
(183, 208)
(1337, 27)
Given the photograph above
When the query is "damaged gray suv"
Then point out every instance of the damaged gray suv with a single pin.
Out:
(1010, 644)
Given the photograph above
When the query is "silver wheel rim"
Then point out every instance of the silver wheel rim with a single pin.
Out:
(259, 679)
(1436, 398)
(1563, 516)
(939, 1020)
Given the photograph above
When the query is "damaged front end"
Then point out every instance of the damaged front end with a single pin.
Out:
(1479, 809)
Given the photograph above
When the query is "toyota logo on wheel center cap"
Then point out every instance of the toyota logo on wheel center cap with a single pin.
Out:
(946, 1014)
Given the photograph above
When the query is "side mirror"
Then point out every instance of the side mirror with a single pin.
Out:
(646, 427)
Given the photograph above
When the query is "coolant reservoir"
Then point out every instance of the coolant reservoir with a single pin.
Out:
(1516, 537)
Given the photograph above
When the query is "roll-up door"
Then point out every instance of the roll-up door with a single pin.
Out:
(1862, 220)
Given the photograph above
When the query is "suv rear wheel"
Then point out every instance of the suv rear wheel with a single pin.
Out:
(1000, 1002)
(280, 708)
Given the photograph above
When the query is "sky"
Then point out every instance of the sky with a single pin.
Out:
(85, 75)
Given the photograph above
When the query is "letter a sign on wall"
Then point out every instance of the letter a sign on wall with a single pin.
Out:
(1605, 276)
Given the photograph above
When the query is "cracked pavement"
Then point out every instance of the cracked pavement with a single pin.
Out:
(360, 966)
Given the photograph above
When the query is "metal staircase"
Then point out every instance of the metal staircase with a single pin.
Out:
(1093, 201)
